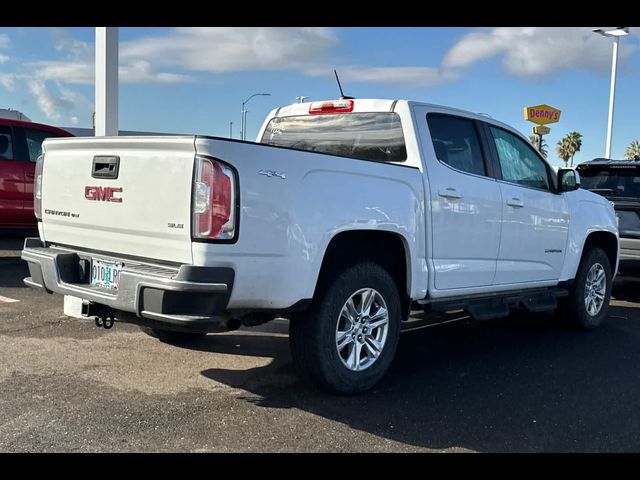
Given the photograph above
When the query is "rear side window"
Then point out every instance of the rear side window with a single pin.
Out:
(6, 143)
(34, 139)
(374, 136)
(456, 143)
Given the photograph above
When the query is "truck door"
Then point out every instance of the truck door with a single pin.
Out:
(12, 181)
(28, 147)
(535, 220)
(465, 203)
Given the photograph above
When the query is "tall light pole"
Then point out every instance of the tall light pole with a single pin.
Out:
(243, 118)
(616, 34)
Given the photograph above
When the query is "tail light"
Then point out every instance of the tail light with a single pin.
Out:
(37, 188)
(213, 200)
(335, 106)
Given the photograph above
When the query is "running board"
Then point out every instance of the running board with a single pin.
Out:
(496, 305)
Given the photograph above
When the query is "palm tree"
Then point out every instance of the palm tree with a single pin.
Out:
(633, 150)
(574, 140)
(564, 151)
(544, 150)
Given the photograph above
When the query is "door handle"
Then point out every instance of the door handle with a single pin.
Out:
(515, 202)
(449, 192)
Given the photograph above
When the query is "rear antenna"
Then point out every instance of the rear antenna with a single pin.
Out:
(342, 95)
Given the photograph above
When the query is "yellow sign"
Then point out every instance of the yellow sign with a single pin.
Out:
(541, 130)
(542, 114)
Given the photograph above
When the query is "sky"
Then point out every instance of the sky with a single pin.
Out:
(193, 80)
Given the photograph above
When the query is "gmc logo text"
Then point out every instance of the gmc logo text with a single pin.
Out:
(103, 194)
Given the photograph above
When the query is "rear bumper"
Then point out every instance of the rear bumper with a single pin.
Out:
(185, 297)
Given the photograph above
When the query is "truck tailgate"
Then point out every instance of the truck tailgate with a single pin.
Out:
(153, 217)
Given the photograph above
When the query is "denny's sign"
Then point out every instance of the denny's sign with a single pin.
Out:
(542, 114)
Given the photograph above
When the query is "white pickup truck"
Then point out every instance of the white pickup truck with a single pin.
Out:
(345, 216)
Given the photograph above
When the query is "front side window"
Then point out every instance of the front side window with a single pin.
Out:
(374, 136)
(456, 143)
(34, 140)
(6, 143)
(519, 163)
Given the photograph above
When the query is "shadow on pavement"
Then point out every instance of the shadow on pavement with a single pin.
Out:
(521, 384)
(12, 267)
(626, 289)
(13, 271)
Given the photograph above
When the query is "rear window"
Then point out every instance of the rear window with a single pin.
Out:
(367, 136)
(619, 182)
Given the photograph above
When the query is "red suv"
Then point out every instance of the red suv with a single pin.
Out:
(20, 146)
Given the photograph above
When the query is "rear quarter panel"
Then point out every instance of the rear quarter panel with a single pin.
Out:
(287, 223)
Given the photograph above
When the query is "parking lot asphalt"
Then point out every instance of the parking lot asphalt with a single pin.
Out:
(520, 384)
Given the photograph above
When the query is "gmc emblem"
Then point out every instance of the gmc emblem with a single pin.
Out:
(103, 194)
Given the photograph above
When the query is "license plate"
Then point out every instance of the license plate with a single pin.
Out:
(105, 274)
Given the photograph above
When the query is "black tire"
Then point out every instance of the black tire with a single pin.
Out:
(573, 307)
(312, 334)
(172, 337)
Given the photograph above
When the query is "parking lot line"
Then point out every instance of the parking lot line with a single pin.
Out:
(7, 300)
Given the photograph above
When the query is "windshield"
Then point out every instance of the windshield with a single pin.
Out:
(368, 136)
(617, 183)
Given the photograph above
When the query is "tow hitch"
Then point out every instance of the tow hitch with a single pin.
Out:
(104, 322)
(103, 315)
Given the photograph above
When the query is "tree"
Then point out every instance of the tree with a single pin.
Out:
(575, 142)
(568, 146)
(544, 150)
(564, 151)
(633, 150)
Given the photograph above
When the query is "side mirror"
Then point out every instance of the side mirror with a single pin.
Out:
(568, 180)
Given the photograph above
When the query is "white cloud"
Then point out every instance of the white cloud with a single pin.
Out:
(63, 41)
(3, 58)
(7, 80)
(403, 76)
(47, 103)
(80, 72)
(534, 51)
(74, 120)
(5, 41)
(79, 67)
(231, 49)
(57, 102)
(141, 71)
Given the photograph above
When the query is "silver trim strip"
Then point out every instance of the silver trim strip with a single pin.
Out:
(30, 283)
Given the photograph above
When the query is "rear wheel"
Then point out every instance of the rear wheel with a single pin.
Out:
(347, 339)
(588, 303)
(172, 337)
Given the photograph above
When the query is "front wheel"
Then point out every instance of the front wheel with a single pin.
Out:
(347, 339)
(588, 302)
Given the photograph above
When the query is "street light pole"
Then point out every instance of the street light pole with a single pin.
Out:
(612, 95)
(243, 117)
(616, 34)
